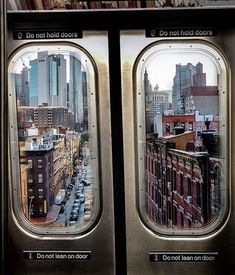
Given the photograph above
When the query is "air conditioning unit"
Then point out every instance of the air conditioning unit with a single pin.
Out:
(189, 199)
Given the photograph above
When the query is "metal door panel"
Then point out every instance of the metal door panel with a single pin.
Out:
(141, 240)
(102, 257)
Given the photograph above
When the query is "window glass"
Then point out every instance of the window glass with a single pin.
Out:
(53, 132)
(182, 134)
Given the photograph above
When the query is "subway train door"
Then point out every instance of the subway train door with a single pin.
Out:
(60, 162)
(177, 95)
(3, 126)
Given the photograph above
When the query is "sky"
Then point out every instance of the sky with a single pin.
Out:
(161, 68)
(32, 53)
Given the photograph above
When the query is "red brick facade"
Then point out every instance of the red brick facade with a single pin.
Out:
(178, 186)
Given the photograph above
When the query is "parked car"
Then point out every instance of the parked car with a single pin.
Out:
(81, 198)
(61, 209)
(68, 194)
(70, 187)
(87, 206)
(79, 191)
(76, 206)
(83, 177)
(80, 186)
(85, 182)
(74, 217)
(72, 222)
(87, 215)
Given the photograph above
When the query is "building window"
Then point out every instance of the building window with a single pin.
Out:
(40, 178)
(40, 193)
(168, 174)
(40, 209)
(30, 192)
(181, 184)
(190, 126)
(30, 163)
(152, 191)
(163, 187)
(159, 200)
(174, 180)
(158, 170)
(168, 128)
(174, 215)
(189, 187)
(169, 210)
(156, 196)
(199, 194)
(155, 168)
(30, 180)
(182, 218)
(39, 163)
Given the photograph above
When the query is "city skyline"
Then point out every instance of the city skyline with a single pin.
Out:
(55, 142)
(44, 83)
(161, 68)
(24, 59)
(182, 156)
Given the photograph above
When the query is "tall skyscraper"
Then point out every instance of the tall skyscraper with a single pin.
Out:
(47, 80)
(85, 100)
(57, 80)
(18, 86)
(147, 85)
(25, 86)
(76, 104)
(186, 76)
(21, 81)
(156, 102)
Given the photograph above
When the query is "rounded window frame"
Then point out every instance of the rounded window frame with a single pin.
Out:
(18, 215)
(224, 88)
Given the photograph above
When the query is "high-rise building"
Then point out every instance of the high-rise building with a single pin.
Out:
(25, 86)
(147, 85)
(47, 80)
(57, 80)
(186, 76)
(85, 100)
(18, 86)
(76, 98)
(44, 117)
(202, 99)
(156, 102)
(21, 81)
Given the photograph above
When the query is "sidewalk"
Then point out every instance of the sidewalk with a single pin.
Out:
(50, 218)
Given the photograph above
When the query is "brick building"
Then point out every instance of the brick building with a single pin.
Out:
(188, 122)
(39, 180)
(182, 187)
(202, 99)
(44, 117)
(42, 162)
(170, 122)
